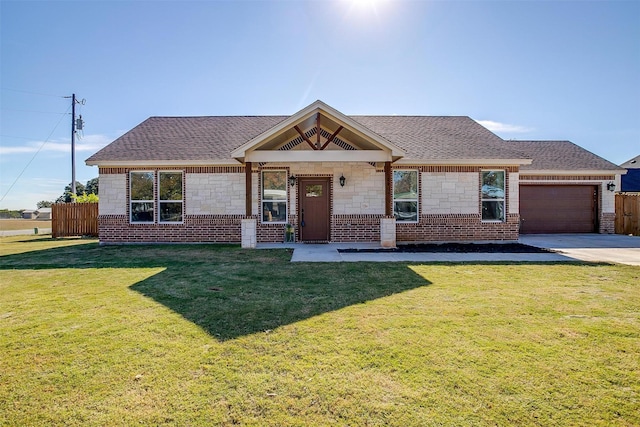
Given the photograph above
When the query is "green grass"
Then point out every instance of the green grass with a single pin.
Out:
(218, 335)
(23, 224)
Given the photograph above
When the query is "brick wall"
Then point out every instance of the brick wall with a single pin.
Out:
(607, 223)
(196, 229)
(457, 228)
(355, 228)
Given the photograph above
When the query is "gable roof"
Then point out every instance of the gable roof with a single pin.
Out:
(211, 140)
(362, 137)
(632, 163)
(442, 139)
(561, 156)
(207, 140)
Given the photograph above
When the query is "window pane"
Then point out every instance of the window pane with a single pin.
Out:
(170, 186)
(274, 195)
(405, 185)
(314, 190)
(493, 211)
(405, 211)
(141, 185)
(274, 211)
(170, 211)
(275, 180)
(142, 212)
(493, 185)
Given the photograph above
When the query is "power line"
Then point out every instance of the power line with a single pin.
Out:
(31, 111)
(34, 155)
(31, 93)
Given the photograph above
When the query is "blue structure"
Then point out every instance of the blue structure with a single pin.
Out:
(631, 180)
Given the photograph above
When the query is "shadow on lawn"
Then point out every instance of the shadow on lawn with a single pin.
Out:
(228, 291)
(232, 292)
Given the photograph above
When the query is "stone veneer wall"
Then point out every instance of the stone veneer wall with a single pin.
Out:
(214, 205)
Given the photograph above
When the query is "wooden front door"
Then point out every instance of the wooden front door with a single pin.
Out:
(313, 209)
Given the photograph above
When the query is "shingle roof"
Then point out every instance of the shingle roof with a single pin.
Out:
(632, 163)
(439, 137)
(185, 138)
(559, 155)
(213, 138)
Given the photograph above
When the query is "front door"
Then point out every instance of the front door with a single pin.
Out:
(313, 209)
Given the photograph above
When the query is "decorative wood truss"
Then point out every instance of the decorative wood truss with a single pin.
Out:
(318, 132)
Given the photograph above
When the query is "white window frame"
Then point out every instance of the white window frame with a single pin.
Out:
(502, 199)
(285, 200)
(417, 199)
(132, 200)
(160, 201)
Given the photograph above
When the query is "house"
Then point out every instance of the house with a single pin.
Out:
(44, 214)
(339, 178)
(631, 180)
(29, 214)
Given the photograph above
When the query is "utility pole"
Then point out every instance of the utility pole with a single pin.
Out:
(74, 123)
(73, 143)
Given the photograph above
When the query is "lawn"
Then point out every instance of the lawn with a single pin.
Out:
(23, 224)
(218, 335)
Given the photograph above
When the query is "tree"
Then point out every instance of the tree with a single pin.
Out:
(92, 186)
(67, 195)
(44, 204)
(85, 198)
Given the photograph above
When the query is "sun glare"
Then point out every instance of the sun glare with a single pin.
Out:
(366, 5)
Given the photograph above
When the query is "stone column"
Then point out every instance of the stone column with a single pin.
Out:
(249, 233)
(388, 232)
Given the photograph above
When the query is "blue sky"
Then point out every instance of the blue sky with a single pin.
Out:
(526, 69)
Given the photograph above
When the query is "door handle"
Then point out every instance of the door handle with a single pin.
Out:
(302, 218)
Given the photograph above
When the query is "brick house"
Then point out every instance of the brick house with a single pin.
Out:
(339, 178)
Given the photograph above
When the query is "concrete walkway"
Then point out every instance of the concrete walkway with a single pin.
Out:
(6, 233)
(613, 248)
(608, 248)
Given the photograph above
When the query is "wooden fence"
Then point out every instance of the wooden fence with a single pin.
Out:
(628, 213)
(74, 219)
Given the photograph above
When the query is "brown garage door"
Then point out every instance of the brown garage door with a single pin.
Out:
(557, 209)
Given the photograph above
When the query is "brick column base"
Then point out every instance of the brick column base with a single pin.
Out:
(248, 231)
(388, 232)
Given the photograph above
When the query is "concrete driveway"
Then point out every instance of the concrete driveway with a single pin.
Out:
(614, 248)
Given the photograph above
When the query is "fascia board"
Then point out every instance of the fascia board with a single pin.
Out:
(573, 172)
(145, 163)
(336, 156)
(464, 162)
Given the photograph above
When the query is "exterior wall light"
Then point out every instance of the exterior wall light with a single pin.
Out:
(342, 180)
(292, 180)
(611, 186)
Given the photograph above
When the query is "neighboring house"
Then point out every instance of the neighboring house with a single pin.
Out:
(631, 180)
(29, 214)
(44, 213)
(338, 178)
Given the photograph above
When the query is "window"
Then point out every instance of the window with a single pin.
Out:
(141, 196)
(170, 196)
(493, 196)
(274, 196)
(405, 195)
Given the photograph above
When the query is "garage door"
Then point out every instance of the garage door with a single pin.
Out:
(557, 209)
